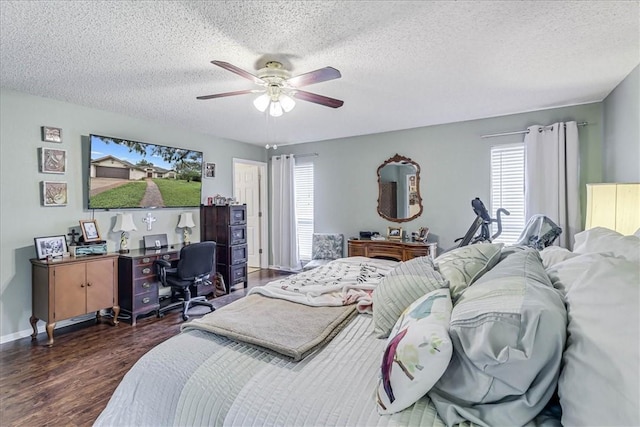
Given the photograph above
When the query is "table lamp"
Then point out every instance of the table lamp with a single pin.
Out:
(124, 224)
(186, 223)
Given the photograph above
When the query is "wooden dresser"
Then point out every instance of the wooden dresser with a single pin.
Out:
(390, 249)
(227, 226)
(68, 287)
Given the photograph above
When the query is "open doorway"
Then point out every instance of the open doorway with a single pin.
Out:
(250, 187)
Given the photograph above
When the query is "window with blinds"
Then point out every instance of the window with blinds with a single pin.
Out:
(507, 190)
(303, 178)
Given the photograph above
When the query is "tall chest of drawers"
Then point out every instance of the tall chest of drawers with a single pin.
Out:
(227, 226)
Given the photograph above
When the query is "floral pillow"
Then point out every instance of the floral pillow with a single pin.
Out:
(417, 353)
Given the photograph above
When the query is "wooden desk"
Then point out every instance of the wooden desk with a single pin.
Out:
(138, 284)
(68, 287)
(391, 249)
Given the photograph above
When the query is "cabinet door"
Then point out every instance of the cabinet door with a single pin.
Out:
(100, 284)
(69, 291)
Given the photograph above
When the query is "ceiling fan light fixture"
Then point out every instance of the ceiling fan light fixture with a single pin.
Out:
(262, 102)
(287, 102)
(275, 109)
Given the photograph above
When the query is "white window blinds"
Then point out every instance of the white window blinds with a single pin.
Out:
(304, 208)
(507, 190)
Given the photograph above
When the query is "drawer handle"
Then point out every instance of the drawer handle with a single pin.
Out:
(146, 285)
(146, 300)
(146, 270)
(88, 284)
(145, 260)
(166, 256)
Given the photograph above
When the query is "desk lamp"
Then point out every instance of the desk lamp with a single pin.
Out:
(186, 223)
(124, 224)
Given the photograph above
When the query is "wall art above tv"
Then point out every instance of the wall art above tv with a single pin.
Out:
(126, 174)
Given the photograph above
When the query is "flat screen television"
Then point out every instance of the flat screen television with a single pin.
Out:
(125, 174)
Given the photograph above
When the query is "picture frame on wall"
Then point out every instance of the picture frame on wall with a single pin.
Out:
(54, 193)
(50, 246)
(51, 134)
(210, 170)
(53, 160)
(90, 232)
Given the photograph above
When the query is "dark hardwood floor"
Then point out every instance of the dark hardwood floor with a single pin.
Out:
(70, 383)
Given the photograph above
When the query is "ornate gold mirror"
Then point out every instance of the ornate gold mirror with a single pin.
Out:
(399, 197)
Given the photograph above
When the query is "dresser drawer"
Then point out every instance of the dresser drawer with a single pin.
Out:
(238, 215)
(238, 235)
(144, 285)
(238, 273)
(144, 303)
(144, 271)
(238, 254)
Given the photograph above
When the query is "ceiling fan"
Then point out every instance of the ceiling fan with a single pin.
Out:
(279, 88)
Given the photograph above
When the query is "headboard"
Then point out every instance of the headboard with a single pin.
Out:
(615, 206)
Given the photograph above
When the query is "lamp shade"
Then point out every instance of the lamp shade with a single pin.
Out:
(186, 220)
(124, 222)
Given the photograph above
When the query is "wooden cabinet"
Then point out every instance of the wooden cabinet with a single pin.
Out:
(227, 226)
(138, 284)
(69, 287)
(390, 249)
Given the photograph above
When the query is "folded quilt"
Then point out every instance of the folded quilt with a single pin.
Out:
(288, 328)
(341, 282)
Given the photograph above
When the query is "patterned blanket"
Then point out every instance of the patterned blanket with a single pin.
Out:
(343, 281)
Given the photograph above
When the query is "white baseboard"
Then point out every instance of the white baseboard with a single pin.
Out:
(42, 328)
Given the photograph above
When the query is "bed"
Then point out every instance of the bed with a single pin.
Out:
(484, 334)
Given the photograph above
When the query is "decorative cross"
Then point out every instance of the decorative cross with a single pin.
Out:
(73, 235)
(149, 220)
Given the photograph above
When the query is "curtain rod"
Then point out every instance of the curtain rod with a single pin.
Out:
(521, 131)
(299, 155)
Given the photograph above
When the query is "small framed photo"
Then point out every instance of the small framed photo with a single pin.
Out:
(394, 233)
(52, 246)
(51, 134)
(54, 193)
(90, 231)
(53, 160)
(209, 170)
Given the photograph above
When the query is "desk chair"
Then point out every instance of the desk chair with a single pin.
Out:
(195, 266)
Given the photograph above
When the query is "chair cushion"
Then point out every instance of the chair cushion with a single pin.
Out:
(327, 246)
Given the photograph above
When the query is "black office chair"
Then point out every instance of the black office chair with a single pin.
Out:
(195, 267)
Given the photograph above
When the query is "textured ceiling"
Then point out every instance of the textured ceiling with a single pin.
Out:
(404, 64)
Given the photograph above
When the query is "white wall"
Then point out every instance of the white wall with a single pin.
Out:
(21, 215)
(621, 112)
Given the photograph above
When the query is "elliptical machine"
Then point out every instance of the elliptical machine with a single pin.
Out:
(482, 222)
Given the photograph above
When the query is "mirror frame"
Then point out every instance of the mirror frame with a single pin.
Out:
(400, 159)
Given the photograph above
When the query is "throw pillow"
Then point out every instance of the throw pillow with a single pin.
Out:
(417, 353)
(406, 283)
(508, 332)
(462, 266)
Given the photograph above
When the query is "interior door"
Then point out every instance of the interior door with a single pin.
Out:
(247, 190)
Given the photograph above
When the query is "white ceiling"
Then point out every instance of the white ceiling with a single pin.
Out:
(404, 64)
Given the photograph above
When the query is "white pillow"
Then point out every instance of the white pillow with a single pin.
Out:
(603, 240)
(417, 353)
(552, 255)
(599, 382)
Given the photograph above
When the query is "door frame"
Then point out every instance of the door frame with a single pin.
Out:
(264, 207)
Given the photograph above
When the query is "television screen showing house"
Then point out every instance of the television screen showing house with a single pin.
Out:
(131, 174)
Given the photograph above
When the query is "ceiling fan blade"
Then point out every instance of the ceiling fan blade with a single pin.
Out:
(312, 77)
(238, 71)
(318, 99)
(221, 95)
